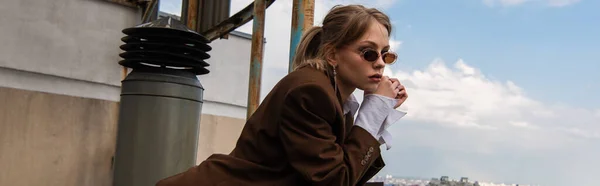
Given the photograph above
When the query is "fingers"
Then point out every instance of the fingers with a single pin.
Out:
(401, 87)
(399, 92)
(385, 79)
(394, 80)
(402, 95)
(395, 86)
(391, 87)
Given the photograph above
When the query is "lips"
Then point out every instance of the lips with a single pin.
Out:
(375, 78)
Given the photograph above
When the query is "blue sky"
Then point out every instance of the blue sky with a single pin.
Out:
(500, 90)
(553, 52)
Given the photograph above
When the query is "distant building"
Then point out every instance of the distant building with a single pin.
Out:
(164, 14)
(445, 181)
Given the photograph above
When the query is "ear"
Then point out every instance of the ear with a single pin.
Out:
(331, 56)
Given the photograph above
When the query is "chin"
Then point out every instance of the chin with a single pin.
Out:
(368, 88)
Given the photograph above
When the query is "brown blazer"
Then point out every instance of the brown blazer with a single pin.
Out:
(297, 136)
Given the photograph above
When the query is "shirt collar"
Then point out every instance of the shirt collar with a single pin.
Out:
(351, 105)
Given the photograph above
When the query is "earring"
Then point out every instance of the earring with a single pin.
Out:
(334, 72)
(335, 79)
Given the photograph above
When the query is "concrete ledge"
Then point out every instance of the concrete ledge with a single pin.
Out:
(24, 80)
(224, 109)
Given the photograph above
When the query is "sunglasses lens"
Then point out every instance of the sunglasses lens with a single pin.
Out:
(370, 55)
(389, 57)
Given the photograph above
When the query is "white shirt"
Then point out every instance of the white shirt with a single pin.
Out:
(376, 114)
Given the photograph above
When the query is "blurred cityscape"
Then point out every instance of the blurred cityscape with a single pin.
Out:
(389, 180)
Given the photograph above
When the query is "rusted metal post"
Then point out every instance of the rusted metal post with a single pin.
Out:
(256, 60)
(190, 13)
(302, 18)
(151, 11)
(224, 27)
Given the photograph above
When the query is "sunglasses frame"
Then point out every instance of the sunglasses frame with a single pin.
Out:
(379, 55)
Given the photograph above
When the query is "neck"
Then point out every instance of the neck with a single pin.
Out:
(344, 89)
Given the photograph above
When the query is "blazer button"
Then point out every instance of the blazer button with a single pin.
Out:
(370, 149)
(363, 162)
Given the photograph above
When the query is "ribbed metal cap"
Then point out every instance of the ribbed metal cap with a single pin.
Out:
(165, 43)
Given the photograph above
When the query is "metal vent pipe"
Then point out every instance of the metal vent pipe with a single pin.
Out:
(161, 102)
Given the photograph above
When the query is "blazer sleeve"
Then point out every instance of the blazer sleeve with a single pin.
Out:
(310, 145)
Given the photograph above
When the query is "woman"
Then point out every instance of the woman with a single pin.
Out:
(303, 132)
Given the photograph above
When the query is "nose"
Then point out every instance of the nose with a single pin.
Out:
(379, 63)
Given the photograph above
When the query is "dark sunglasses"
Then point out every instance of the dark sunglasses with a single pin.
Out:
(372, 55)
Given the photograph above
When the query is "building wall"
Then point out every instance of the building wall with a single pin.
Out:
(227, 84)
(226, 95)
(75, 39)
(48, 139)
(60, 85)
(59, 90)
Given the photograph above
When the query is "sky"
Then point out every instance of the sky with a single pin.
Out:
(502, 91)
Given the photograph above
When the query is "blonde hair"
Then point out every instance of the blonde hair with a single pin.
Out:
(341, 26)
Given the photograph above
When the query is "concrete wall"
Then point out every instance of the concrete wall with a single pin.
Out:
(76, 39)
(227, 84)
(226, 95)
(59, 90)
(69, 47)
(48, 139)
(60, 85)
(218, 134)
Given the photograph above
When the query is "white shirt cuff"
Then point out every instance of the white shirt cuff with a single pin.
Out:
(376, 114)
(384, 136)
(372, 113)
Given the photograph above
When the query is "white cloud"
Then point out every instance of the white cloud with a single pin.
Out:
(395, 45)
(462, 123)
(522, 124)
(461, 97)
(506, 3)
(582, 133)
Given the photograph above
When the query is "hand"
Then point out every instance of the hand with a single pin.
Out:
(401, 95)
(386, 88)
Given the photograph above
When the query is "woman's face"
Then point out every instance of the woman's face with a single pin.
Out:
(353, 70)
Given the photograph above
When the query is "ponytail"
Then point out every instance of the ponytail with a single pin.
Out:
(308, 52)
